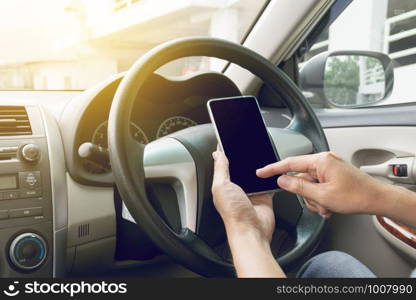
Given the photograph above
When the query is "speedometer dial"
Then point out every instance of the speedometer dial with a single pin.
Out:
(100, 134)
(174, 124)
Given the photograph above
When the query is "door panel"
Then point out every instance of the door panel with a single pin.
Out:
(365, 146)
(349, 141)
(366, 137)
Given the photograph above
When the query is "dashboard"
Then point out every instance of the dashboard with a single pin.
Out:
(156, 113)
(50, 194)
(163, 106)
(45, 234)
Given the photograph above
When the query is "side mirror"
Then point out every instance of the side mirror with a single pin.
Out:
(347, 78)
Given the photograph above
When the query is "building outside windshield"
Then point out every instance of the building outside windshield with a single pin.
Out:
(72, 45)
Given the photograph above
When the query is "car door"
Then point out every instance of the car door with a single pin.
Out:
(369, 118)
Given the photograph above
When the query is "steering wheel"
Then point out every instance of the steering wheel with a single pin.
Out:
(183, 159)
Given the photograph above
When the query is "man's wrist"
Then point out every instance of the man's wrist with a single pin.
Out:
(241, 234)
(383, 200)
(391, 201)
(252, 255)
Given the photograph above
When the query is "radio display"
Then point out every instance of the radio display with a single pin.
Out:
(8, 182)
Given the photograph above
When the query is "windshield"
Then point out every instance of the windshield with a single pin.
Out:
(72, 45)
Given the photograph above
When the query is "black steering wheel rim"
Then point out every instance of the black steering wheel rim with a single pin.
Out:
(126, 156)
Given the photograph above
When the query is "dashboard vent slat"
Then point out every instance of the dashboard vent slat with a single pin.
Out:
(83, 230)
(14, 121)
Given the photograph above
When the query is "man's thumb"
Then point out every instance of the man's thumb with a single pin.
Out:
(221, 172)
(299, 186)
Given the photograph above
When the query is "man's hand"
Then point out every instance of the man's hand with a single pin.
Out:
(327, 183)
(239, 213)
(249, 223)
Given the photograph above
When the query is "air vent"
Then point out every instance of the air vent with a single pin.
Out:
(14, 121)
(83, 230)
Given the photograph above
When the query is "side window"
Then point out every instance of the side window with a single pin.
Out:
(366, 57)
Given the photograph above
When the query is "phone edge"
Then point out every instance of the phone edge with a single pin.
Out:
(264, 123)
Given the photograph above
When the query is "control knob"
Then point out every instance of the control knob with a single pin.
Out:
(27, 251)
(30, 153)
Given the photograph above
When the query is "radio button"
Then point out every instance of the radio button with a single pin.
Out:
(25, 212)
(29, 180)
(32, 193)
(4, 214)
(30, 153)
(11, 195)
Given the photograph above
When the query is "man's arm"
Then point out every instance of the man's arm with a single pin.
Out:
(249, 223)
(252, 255)
(395, 202)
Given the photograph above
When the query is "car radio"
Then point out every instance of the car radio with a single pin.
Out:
(26, 217)
(25, 206)
(23, 184)
(20, 185)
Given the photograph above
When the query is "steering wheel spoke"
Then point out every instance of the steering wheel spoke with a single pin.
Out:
(167, 160)
(289, 142)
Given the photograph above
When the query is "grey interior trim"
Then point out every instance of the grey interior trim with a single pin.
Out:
(397, 142)
(357, 236)
(69, 122)
(59, 194)
(395, 115)
(308, 24)
(276, 34)
(94, 258)
(89, 207)
(168, 159)
(289, 142)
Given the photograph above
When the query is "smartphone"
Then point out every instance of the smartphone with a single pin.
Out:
(243, 136)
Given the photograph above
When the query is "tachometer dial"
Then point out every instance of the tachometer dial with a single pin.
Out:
(99, 138)
(174, 124)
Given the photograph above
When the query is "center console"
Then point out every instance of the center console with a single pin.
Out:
(27, 230)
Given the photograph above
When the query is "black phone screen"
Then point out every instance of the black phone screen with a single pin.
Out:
(245, 141)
